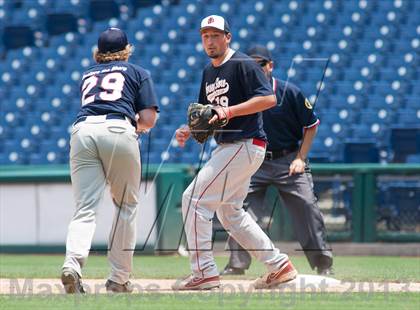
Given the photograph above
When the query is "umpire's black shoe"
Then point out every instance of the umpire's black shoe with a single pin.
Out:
(324, 266)
(114, 287)
(325, 271)
(71, 281)
(231, 271)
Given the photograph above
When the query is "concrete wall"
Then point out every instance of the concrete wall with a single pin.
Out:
(39, 213)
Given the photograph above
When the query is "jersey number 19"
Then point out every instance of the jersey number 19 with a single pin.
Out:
(111, 83)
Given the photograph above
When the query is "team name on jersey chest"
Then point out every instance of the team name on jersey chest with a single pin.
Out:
(219, 87)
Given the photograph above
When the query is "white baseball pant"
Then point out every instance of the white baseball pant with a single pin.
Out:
(221, 186)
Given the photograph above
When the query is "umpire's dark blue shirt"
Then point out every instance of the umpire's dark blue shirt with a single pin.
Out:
(285, 122)
(116, 87)
(235, 81)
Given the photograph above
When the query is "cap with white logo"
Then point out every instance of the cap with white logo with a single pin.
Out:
(215, 21)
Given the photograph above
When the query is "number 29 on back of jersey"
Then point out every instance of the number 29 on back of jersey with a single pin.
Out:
(110, 87)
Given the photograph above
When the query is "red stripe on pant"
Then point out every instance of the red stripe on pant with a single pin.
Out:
(195, 207)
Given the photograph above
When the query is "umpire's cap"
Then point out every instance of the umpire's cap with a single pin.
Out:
(112, 40)
(259, 51)
(215, 21)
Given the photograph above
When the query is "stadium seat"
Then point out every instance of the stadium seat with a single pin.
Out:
(413, 158)
(371, 82)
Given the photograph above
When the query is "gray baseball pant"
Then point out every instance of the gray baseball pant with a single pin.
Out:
(104, 152)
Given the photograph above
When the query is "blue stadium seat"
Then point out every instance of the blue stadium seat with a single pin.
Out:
(361, 132)
(412, 102)
(371, 83)
(409, 117)
(413, 159)
(77, 7)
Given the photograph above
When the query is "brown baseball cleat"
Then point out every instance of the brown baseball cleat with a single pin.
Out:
(71, 282)
(114, 287)
(284, 274)
(194, 283)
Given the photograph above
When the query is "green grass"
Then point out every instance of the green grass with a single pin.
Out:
(352, 268)
(215, 300)
(403, 269)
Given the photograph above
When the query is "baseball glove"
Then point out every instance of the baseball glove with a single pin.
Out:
(199, 116)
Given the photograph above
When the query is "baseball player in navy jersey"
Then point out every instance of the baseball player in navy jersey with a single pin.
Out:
(286, 166)
(117, 99)
(236, 85)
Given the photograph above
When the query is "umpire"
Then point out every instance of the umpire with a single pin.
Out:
(286, 166)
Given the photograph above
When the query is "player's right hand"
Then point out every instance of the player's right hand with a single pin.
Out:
(222, 114)
(182, 134)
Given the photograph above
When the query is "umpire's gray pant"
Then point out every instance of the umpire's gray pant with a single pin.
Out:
(298, 197)
(104, 151)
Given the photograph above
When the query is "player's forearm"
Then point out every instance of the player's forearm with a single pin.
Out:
(308, 137)
(253, 105)
(147, 118)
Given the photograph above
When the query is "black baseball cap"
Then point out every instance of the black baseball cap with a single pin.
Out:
(259, 51)
(112, 40)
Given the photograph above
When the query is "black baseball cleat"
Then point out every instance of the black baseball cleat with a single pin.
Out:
(71, 281)
(114, 287)
(325, 271)
(231, 271)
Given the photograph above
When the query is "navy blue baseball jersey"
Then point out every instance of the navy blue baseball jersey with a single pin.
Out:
(116, 87)
(235, 81)
(285, 122)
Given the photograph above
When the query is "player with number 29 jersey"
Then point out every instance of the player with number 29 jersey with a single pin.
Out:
(116, 87)
(117, 103)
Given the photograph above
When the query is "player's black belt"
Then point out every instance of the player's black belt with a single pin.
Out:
(276, 154)
(109, 116)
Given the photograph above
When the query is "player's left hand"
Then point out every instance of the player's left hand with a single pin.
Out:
(146, 120)
(297, 166)
(221, 114)
(140, 129)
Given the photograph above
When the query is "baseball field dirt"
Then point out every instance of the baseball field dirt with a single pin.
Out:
(302, 284)
(359, 282)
